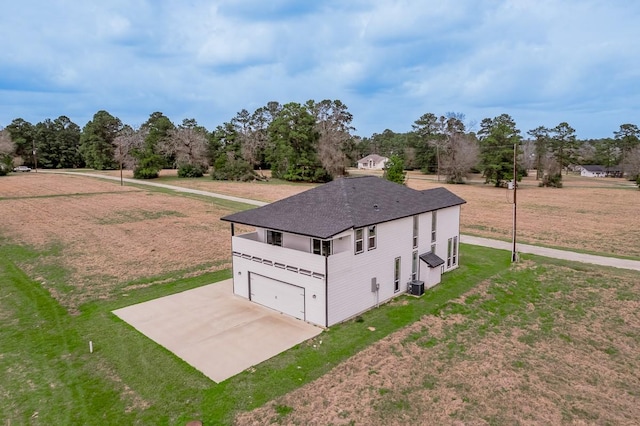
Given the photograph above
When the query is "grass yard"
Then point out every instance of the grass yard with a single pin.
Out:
(542, 342)
(102, 239)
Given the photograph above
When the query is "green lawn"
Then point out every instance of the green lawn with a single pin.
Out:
(49, 376)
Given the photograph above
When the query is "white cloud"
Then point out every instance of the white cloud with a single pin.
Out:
(389, 61)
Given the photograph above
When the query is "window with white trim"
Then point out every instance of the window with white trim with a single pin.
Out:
(454, 260)
(434, 225)
(372, 237)
(274, 238)
(415, 231)
(359, 240)
(414, 266)
(321, 247)
(449, 252)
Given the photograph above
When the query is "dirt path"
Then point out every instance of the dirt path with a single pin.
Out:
(467, 239)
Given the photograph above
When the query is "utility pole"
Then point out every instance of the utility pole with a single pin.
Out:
(35, 157)
(514, 255)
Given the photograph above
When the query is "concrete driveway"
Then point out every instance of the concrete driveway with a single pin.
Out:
(215, 331)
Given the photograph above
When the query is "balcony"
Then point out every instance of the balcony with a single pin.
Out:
(248, 247)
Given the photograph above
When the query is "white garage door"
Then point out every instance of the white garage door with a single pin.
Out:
(278, 295)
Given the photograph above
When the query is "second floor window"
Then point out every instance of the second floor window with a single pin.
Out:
(372, 237)
(274, 238)
(415, 232)
(359, 240)
(322, 247)
(434, 226)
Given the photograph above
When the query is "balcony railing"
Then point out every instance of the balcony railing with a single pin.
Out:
(248, 247)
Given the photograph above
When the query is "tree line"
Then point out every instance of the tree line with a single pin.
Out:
(312, 142)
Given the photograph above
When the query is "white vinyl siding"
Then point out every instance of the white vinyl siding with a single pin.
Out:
(295, 266)
(347, 283)
(349, 291)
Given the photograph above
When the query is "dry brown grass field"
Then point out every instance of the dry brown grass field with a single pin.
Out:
(597, 215)
(108, 234)
(104, 235)
(593, 214)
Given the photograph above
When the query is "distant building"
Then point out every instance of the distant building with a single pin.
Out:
(593, 171)
(372, 162)
(600, 171)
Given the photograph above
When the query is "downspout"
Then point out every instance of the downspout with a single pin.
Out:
(326, 291)
(233, 272)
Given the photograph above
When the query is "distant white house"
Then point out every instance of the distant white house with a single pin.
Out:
(332, 252)
(372, 162)
(593, 171)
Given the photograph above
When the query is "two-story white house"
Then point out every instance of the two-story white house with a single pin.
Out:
(337, 250)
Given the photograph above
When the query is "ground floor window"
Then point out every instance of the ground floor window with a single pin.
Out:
(455, 251)
(396, 275)
(414, 266)
(452, 252)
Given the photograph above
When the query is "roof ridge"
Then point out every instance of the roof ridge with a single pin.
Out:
(346, 201)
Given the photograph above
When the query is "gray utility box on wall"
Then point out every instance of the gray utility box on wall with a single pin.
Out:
(416, 288)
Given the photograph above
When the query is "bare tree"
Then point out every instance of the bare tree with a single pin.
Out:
(333, 124)
(254, 137)
(461, 155)
(6, 143)
(631, 163)
(125, 142)
(7, 151)
(528, 154)
(188, 144)
(127, 139)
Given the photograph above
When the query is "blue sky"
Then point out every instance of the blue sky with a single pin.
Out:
(543, 61)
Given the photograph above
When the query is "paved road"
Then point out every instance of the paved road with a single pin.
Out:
(467, 239)
(553, 253)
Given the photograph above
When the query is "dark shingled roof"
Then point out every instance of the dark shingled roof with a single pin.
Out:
(346, 203)
(431, 259)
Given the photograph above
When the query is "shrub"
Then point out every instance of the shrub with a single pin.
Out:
(191, 171)
(394, 170)
(227, 167)
(148, 168)
(145, 173)
(553, 181)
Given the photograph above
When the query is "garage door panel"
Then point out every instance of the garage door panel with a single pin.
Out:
(278, 295)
